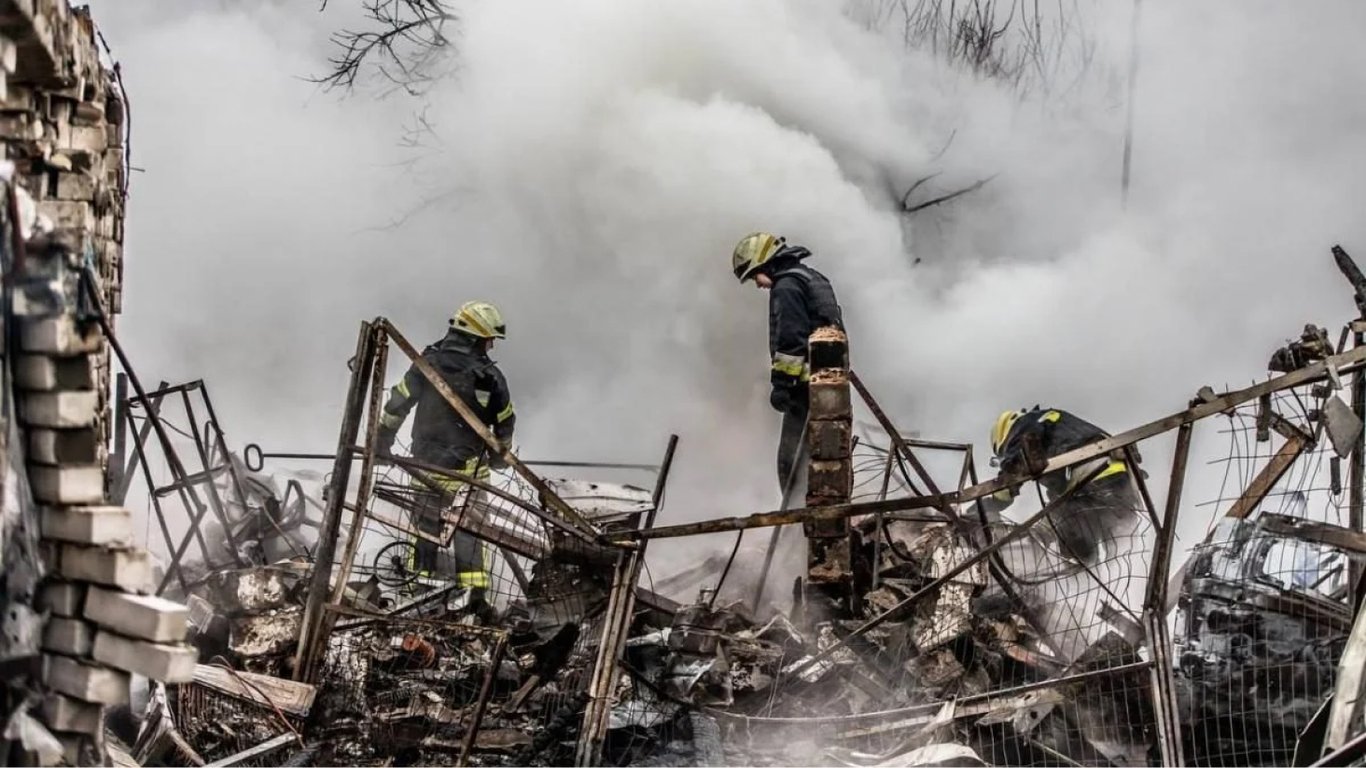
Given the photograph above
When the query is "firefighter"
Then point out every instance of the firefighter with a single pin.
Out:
(1099, 510)
(443, 439)
(800, 300)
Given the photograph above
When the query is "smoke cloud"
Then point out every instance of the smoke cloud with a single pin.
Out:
(593, 163)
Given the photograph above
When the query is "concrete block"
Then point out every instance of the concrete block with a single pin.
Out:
(88, 525)
(127, 569)
(66, 446)
(62, 598)
(156, 661)
(59, 335)
(67, 484)
(75, 186)
(69, 637)
(830, 398)
(88, 138)
(59, 410)
(43, 373)
(63, 713)
(828, 440)
(71, 215)
(85, 681)
(142, 616)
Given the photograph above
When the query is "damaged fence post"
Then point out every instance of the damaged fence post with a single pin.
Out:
(616, 626)
(1162, 674)
(310, 644)
(353, 536)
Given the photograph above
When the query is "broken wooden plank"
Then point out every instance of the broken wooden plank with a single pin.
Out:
(260, 750)
(292, 697)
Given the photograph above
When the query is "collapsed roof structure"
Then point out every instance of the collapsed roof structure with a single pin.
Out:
(289, 626)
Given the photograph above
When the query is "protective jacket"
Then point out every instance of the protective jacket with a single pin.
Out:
(1058, 432)
(440, 436)
(800, 301)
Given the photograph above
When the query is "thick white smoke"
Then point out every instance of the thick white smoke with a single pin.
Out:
(596, 160)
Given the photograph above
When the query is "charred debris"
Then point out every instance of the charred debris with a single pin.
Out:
(925, 629)
(287, 623)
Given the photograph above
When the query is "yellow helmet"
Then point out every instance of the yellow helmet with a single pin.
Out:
(480, 318)
(1001, 430)
(752, 252)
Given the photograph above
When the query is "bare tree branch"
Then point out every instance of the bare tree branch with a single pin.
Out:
(905, 208)
(407, 44)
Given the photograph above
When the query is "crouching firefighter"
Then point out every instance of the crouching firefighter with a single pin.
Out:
(1100, 510)
(443, 439)
(800, 300)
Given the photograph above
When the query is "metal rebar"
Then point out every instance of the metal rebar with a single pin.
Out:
(481, 704)
(309, 646)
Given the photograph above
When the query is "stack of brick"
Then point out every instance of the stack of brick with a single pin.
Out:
(62, 120)
(62, 123)
(103, 624)
(830, 475)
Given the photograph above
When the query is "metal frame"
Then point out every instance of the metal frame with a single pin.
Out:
(627, 545)
(197, 491)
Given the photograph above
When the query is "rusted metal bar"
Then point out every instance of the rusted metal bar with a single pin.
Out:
(548, 496)
(311, 643)
(119, 458)
(221, 441)
(482, 703)
(367, 465)
(119, 490)
(215, 502)
(1162, 678)
(982, 554)
(140, 457)
(1348, 362)
(897, 440)
(616, 625)
(1267, 478)
(1313, 530)
(1156, 599)
(1163, 689)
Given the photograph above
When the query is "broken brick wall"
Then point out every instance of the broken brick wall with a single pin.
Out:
(79, 582)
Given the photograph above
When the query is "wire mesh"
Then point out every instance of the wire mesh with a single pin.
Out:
(1032, 658)
(549, 602)
(220, 725)
(1264, 612)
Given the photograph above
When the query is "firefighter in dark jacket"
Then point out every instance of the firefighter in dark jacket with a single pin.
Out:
(800, 300)
(443, 439)
(1099, 510)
